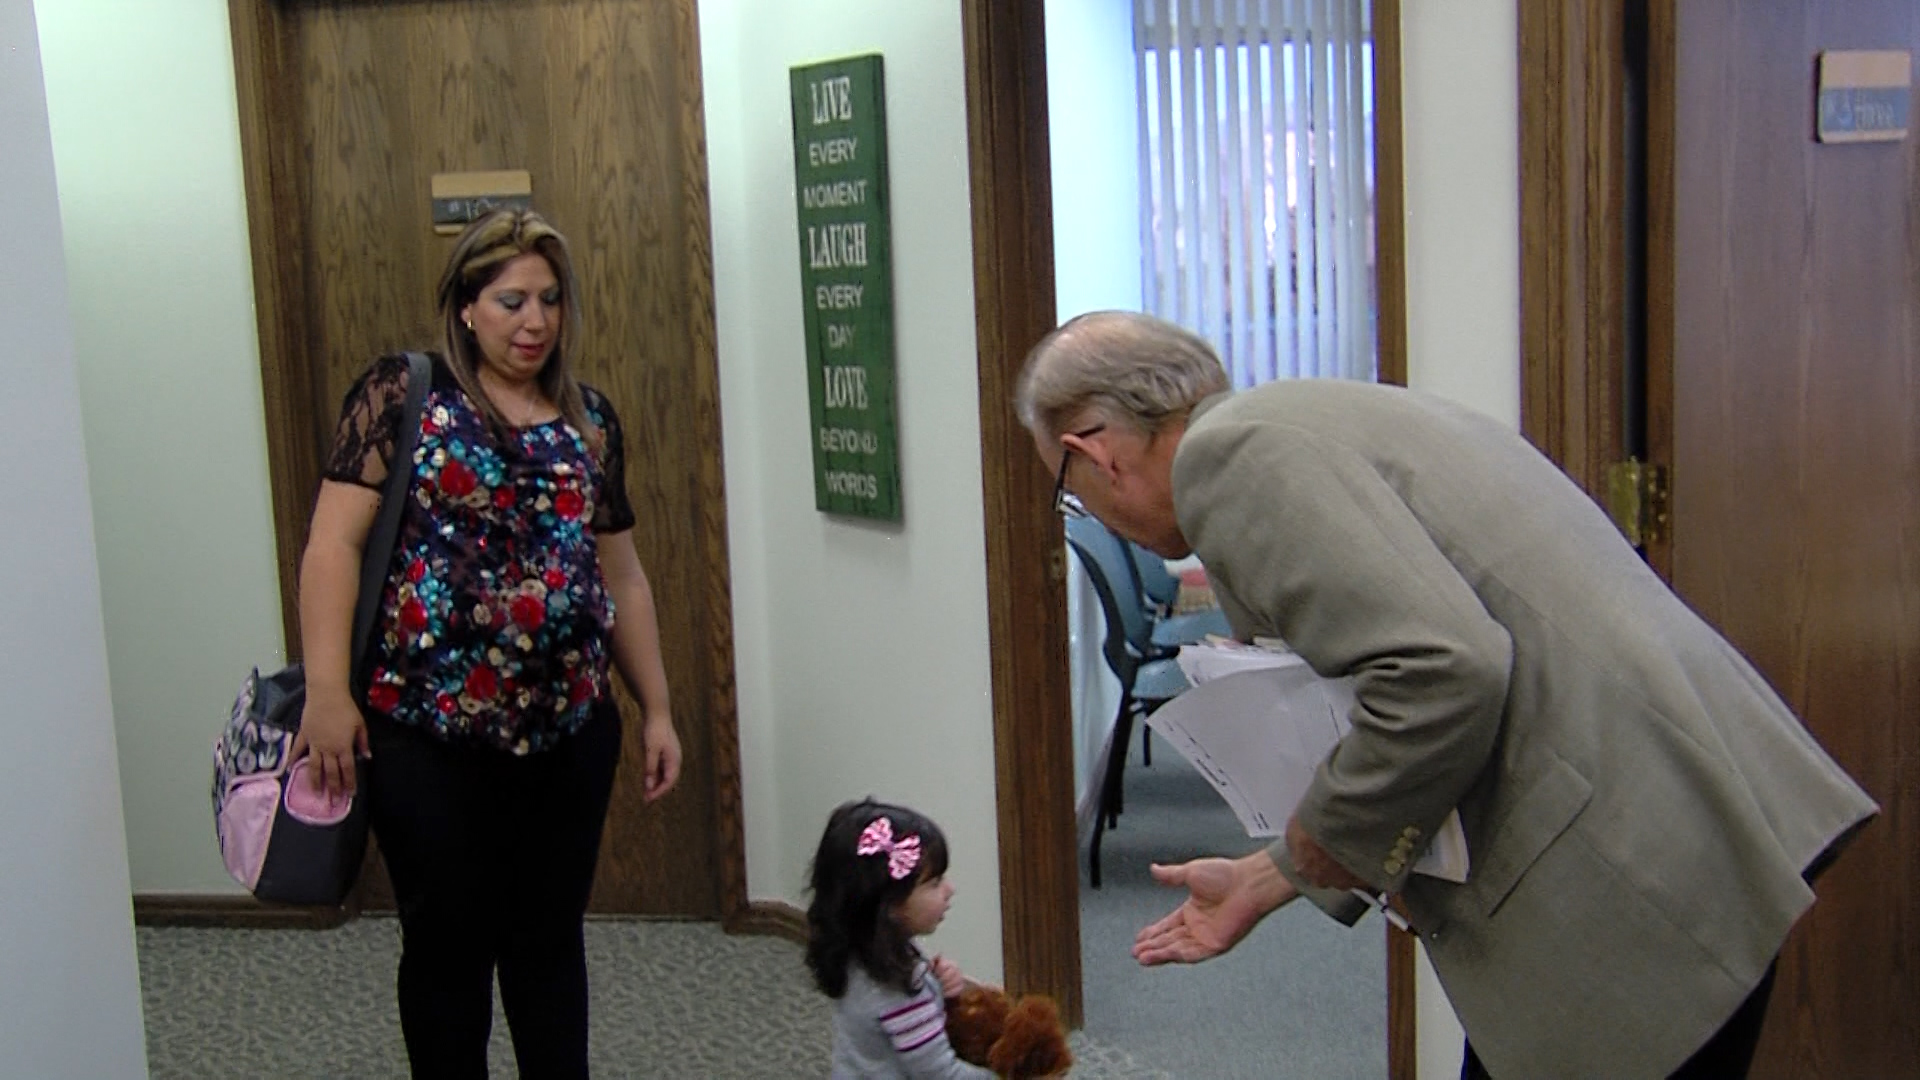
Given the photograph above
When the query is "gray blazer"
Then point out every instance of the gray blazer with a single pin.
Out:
(1639, 805)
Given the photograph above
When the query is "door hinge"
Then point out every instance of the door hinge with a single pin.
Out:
(1637, 499)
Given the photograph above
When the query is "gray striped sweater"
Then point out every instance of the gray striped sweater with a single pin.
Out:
(880, 1033)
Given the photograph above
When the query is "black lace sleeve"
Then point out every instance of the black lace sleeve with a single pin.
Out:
(612, 512)
(369, 423)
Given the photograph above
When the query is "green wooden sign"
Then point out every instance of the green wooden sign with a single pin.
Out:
(846, 284)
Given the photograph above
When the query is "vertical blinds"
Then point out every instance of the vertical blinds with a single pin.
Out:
(1256, 171)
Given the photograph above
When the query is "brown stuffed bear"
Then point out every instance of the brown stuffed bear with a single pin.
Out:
(1019, 1040)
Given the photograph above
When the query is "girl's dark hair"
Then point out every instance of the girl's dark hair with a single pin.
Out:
(850, 919)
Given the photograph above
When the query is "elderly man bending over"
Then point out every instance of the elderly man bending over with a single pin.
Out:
(1643, 814)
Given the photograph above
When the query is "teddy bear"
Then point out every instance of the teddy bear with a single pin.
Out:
(1018, 1040)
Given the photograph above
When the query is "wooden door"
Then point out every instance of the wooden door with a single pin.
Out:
(349, 108)
(1784, 391)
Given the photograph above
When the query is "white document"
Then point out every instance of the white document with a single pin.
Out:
(1257, 724)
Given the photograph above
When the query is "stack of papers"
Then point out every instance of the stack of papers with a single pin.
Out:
(1257, 724)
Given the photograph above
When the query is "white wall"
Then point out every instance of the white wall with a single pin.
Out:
(862, 650)
(69, 987)
(146, 141)
(1094, 128)
(1093, 124)
(1462, 136)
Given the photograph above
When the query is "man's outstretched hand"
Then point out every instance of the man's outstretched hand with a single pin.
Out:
(1225, 899)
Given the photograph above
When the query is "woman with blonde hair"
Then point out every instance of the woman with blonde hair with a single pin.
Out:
(514, 588)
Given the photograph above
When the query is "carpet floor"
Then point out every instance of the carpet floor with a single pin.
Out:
(670, 1000)
(1301, 996)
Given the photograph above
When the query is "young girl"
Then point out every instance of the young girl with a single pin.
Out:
(879, 881)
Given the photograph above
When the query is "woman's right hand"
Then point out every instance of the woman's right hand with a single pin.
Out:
(332, 730)
(331, 727)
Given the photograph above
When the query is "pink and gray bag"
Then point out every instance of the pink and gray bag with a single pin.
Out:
(280, 838)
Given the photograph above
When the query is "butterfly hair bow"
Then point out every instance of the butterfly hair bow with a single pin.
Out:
(902, 854)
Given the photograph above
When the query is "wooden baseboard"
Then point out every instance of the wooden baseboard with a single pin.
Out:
(231, 912)
(770, 918)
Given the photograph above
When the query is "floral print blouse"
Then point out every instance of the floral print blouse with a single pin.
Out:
(495, 624)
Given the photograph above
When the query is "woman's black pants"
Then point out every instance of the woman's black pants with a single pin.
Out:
(491, 858)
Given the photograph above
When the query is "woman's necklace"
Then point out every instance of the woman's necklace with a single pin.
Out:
(526, 413)
(520, 410)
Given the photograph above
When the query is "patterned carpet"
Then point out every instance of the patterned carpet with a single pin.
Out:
(670, 1000)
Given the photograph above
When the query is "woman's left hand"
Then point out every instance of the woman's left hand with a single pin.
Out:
(662, 746)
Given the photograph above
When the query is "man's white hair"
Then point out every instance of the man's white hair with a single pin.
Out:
(1116, 367)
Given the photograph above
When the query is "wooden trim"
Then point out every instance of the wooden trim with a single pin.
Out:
(264, 85)
(1573, 251)
(710, 506)
(1403, 1048)
(769, 918)
(231, 912)
(1546, 253)
(1542, 184)
(1390, 284)
(1389, 195)
(1663, 107)
(1011, 182)
(766, 918)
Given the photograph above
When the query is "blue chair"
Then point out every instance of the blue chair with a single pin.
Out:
(1159, 589)
(1147, 674)
(1157, 583)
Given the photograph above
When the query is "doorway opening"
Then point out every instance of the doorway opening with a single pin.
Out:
(1015, 297)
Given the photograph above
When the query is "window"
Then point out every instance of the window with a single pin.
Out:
(1256, 171)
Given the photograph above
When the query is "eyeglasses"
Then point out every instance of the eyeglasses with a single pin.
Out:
(1066, 503)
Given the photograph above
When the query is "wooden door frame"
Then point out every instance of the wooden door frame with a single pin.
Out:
(1575, 172)
(266, 85)
(1573, 249)
(1011, 184)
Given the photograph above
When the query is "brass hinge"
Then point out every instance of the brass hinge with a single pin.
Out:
(1637, 499)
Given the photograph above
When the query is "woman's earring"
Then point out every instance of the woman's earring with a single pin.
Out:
(469, 326)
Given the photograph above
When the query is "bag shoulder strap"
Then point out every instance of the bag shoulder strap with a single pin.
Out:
(376, 558)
